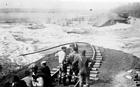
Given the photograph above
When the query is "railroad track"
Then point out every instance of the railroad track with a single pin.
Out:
(94, 73)
(91, 52)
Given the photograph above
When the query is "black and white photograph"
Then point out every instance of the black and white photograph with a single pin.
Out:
(69, 43)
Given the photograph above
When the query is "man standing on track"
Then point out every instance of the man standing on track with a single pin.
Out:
(84, 70)
(63, 68)
(71, 57)
(47, 74)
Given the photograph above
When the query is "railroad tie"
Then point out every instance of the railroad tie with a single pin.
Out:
(98, 51)
(97, 48)
(95, 79)
(68, 69)
(88, 56)
(94, 73)
(99, 58)
(94, 69)
(97, 65)
(98, 54)
(54, 70)
(98, 61)
(93, 76)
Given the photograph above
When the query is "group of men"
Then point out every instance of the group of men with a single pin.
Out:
(35, 76)
(77, 62)
(71, 58)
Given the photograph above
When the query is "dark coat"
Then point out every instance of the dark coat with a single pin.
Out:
(83, 64)
(19, 83)
(45, 73)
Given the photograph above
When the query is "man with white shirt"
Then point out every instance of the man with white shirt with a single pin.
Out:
(61, 55)
(63, 68)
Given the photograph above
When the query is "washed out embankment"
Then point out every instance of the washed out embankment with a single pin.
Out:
(51, 61)
(105, 19)
(115, 64)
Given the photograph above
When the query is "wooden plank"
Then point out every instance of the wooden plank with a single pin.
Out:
(98, 61)
(94, 72)
(93, 75)
(98, 54)
(96, 78)
(98, 51)
(94, 69)
(97, 66)
(98, 58)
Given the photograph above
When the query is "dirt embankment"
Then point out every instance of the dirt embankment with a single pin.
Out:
(112, 72)
(106, 19)
(114, 68)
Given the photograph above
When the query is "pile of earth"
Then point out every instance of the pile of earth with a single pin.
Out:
(105, 19)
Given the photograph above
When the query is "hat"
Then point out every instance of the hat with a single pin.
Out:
(43, 62)
(33, 65)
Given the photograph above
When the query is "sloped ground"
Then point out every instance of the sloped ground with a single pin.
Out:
(104, 19)
(114, 68)
(17, 39)
(112, 71)
(51, 62)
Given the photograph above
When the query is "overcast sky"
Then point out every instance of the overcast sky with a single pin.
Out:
(64, 4)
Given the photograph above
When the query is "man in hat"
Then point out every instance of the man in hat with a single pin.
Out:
(62, 64)
(47, 74)
(84, 69)
(71, 57)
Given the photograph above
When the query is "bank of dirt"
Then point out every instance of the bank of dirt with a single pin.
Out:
(114, 68)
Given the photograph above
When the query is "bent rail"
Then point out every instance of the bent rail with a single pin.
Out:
(24, 68)
(51, 48)
(93, 56)
(77, 43)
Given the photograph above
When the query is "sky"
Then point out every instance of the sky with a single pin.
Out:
(64, 4)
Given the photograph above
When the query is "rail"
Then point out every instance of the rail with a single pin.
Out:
(55, 74)
(25, 67)
(51, 48)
